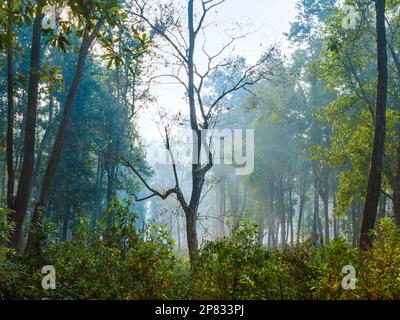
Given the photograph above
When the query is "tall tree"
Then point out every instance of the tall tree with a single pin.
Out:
(21, 201)
(87, 41)
(201, 113)
(375, 171)
(10, 108)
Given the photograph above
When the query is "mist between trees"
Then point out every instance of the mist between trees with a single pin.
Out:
(299, 149)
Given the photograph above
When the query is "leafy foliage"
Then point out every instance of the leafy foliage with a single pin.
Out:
(141, 265)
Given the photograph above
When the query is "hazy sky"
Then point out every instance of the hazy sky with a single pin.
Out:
(267, 19)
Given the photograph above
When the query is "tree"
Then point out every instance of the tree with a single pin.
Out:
(21, 201)
(10, 109)
(89, 35)
(375, 171)
(184, 48)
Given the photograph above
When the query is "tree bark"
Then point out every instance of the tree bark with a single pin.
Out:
(303, 183)
(191, 232)
(10, 108)
(317, 226)
(396, 205)
(271, 220)
(197, 175)
(222, 207)
(354, 224)
(282, 209)
(261, 228)
(291, 213)
(324, 194)
(58, 146)
(25, 181)
(375, 171)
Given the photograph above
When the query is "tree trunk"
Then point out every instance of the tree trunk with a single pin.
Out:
(326, 218)
(99, 178)
(317, 227)
(43, 144)
(178, 232)
(197, 172)
(10, 108)
(261, 227)
(282, 211)
(335, 218)
(382, 206)
(303, 183)
(25, 181)
(67, 214)
(191, 233)
(354, 224)
(60, 138)
(110, 191)
(291, 210)
(222, 208)
(3, 183)
(271, 220)
(375, 172)
(396, 205)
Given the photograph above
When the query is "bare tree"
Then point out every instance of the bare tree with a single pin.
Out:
(184, 48)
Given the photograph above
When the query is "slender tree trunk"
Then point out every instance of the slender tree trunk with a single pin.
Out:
(3, 184)
(191, 233)
(303, 183)
(10, 107)
(261, 228)
(334, 227)
(282, 211)
(25, 181)
(317, 226)
(335, 218)
(197, 174)
(320, 230)
(375, 172)
(222, 208)
(382, 206)
(271, 222)
(99, 178)
(58, 146)
(110, 191)
(43, 143)
(291, 215)
(178, 232)
(354, 224)
(324, 194)
(326, 218)
(396, 205)
(67, 213)
(395, 182)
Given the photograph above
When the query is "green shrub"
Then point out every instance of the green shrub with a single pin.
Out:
(118, 261)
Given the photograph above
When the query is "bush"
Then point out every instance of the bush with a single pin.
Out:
(133, 266)
(119, 262)
(233, 268)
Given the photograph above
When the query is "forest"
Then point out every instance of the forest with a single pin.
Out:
(170, 150)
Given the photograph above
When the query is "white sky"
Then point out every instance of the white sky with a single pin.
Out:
(267, 19)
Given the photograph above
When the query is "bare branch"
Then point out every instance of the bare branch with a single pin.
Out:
(154, 192)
